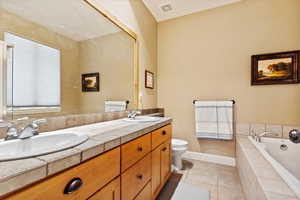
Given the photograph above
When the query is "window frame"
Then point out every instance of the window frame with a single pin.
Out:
(35, 109)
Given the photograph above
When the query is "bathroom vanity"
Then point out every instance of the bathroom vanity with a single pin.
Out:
(137, 169)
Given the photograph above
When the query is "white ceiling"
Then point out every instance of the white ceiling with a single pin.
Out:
(72, 18)
(182, 7)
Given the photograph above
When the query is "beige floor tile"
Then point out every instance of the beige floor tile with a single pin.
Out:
(225, 193)
(230, 181)
(202, 177)
(219, 180)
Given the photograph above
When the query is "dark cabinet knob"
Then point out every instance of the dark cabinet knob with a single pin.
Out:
(164, 149)
(73, 186)
(140, 148)
(139, 176)
(164, 132)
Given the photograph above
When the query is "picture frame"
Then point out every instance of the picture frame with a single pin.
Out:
(275, 68)
(149, 79)
(90, 82)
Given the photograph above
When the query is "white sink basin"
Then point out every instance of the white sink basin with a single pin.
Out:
(142, 119)
(38, 145)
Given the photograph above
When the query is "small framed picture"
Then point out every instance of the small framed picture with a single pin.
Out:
(275, 68)
(90, 82)
(149, 79)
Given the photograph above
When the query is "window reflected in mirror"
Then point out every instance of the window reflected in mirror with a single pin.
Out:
(33, 76)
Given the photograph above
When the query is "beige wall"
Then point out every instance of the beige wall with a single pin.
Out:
(207, 56)
(135, 15)
(112, 56)
(70, 82)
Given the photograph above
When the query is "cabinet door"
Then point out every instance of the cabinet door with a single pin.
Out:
(109, 192)
(156, 169)
(145, 194)
(165, 161)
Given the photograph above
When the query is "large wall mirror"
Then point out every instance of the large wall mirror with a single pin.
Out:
(63, 57)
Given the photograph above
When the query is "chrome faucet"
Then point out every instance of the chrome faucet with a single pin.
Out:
(253, 135)
(12, 131)
(133, 114)
(265, 133)
(31, 129)
(28, 131)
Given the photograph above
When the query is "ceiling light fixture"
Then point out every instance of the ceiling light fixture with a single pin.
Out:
(166, 7)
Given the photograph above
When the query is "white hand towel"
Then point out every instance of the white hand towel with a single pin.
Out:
(214, 119)
(115, 106)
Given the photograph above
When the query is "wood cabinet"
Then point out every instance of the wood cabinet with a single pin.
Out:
(109, 192)
(135, 178)
(89, 173)
(161, 166)
(165, 161)
(161, 135)
(156, 170)
(134, 151)
(145, 194)
(136, 170)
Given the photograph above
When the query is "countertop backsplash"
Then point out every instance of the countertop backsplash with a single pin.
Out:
(68, 121)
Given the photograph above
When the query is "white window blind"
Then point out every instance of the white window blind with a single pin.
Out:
(33, 73)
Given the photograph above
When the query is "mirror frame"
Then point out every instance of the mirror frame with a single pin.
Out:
(99, 8)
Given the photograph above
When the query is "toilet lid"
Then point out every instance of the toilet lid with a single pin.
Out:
(178, 143)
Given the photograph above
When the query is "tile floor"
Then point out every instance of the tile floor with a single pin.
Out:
(222, 181)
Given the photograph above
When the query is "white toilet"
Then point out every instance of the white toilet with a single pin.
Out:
(179, 147)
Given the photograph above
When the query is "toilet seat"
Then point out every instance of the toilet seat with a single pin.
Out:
(176, 143)
(179, 150)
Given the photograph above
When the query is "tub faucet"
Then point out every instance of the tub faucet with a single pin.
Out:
(265, 133)
(253, 135)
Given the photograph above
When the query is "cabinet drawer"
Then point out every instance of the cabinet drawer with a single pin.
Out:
(145, 194)
(94, 174)
(161, 135)
(134, 151)
(135, 178)
(109, 192)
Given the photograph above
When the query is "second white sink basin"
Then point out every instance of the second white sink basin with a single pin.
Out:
(38, 145)
(142, 119)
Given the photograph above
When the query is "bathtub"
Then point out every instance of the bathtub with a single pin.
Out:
(286, 163)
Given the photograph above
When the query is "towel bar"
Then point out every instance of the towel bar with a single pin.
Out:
(233, 101)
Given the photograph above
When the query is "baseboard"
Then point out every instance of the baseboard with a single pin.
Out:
(223, 160)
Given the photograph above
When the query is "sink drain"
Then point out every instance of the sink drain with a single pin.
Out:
(283, 147)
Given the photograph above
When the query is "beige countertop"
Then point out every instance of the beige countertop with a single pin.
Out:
(103, 136)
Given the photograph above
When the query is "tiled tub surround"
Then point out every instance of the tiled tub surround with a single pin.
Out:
(245, 129)
(102, 137)
(68, 121)
(259, 179)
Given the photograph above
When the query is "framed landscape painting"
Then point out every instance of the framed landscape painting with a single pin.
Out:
(275, 68)
(90, 82)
